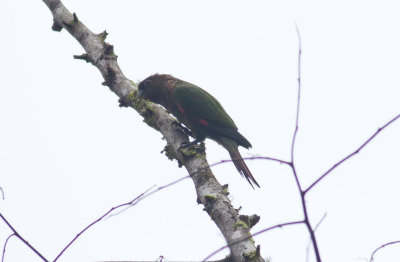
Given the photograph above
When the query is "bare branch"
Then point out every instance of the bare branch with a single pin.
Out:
(305, 213)
(352, 154)
(130, 203)
(379, 248)
(315, 229)
(253, 158)
(136, 200)
(298, 94)
(22, 239)
(2, 193)
(5, 246)
(292, 163)
(144, 195)
(152, 192)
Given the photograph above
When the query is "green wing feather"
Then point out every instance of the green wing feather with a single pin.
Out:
(199, 104)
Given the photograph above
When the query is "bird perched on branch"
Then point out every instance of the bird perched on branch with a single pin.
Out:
(200, 112)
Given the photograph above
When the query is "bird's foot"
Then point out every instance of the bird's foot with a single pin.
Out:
(181, 127)
(186, 144)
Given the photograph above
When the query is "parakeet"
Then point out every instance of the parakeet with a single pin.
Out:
(200, 112)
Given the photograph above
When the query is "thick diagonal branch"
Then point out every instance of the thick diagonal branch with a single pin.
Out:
(209, 192)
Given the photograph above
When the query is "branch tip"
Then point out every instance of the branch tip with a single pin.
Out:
(15, 233)
(250, 221)
(352, 154)
(103, 35)
(2, 193)
(56, 27)
(84, 57)
(110, 77)
(258, 253)
(254, 219)
(169, 152)
(225, 190)
(109, 49)
(382, 246)
(75, 18)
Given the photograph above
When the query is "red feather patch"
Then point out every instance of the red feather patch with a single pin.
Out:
(180, 108)
(203, 122)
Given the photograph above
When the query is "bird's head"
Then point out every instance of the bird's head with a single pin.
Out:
(151, 88)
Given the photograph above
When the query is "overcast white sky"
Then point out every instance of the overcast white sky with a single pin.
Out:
(68, 153)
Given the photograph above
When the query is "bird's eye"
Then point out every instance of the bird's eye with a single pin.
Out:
(145, 83)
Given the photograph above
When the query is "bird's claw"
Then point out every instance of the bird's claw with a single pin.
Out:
(183, 145)
(178, 125)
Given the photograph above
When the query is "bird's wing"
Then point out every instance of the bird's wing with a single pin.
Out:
(201, 106)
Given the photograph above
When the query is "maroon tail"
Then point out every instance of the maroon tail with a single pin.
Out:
(242, 167)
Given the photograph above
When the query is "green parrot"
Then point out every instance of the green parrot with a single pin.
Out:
(200, 112)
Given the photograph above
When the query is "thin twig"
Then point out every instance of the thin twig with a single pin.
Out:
(298, 94)
(152, 192)
(297, 114)
(384, 245)
(306, 218)
(320, 222)
(253, 158)
(315, 229)
(194, 173)
(22, 239)
(253, 235)
(130, 203)
(5, 245)
(2, 193)
(212, 165)
(303, 193)
(352, 154)
(292, 163)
